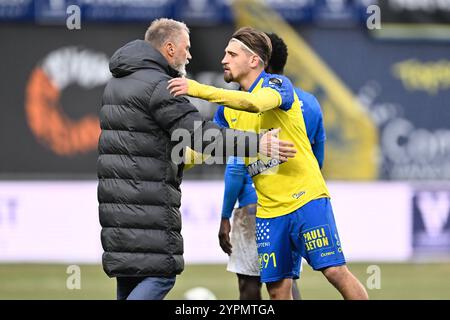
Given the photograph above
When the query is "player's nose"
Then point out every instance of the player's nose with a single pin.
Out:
(224, 61)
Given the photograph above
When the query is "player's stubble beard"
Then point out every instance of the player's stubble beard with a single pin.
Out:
(240, 73)
(227, 76)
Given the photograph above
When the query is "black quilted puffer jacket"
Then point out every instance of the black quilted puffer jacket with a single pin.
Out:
(139, 185)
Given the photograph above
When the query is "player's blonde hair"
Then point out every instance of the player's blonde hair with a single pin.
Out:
(162, 30)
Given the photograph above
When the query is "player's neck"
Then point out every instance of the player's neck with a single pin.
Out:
(251, 77)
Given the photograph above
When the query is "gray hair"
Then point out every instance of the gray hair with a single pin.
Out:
(163, 30)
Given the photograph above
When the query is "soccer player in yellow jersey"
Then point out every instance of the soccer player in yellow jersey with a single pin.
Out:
(294, 213)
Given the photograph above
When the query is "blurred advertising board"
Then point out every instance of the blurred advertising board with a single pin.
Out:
(431, 221)
(56, 11)
(415, 11)
(414, 19)
(16, 10)
(194, 12)
(49, 222)
(58, 221)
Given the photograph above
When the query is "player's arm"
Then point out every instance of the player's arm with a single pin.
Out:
(234, 182)
(175, 113)
(320, 137)
(318, 149)
(260, 101)
(193, 157)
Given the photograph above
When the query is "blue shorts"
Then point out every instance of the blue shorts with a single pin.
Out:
(309, 232)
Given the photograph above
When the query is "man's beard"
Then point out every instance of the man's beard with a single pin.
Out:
(181, 68)
(228, 77)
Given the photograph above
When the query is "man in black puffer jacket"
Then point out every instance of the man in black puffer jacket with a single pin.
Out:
(139, 183)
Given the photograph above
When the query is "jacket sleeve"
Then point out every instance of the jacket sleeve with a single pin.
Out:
(182, 121)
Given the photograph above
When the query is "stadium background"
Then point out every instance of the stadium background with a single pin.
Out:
(385, 97)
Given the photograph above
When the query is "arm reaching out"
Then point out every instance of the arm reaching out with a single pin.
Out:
(174, 113)
(260, 101)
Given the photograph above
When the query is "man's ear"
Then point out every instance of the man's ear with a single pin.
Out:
(170, 49)
(254, 61)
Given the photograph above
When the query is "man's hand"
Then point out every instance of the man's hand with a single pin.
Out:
(224, 235)
(272, 147)
(178, 86)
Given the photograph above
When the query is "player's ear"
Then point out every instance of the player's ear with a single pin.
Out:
(254, 61)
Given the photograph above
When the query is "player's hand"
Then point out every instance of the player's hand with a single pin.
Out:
(224, 236)
(178, 86)
(272, 147)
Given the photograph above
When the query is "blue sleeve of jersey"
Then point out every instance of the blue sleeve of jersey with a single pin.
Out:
(283, 86)
(320, 132)
(219, 117)
(319, 137)
(312, 115)
(319, 152)
(235, 175)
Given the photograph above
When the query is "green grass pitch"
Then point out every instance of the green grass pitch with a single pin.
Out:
(48, 281)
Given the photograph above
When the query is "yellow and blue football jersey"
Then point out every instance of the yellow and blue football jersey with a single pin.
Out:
(282, 187)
